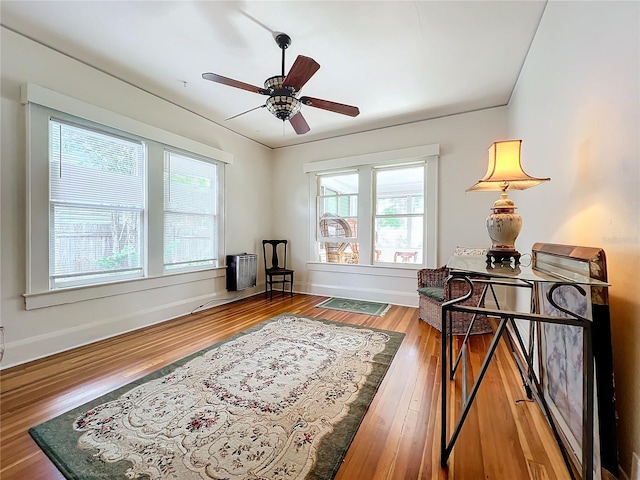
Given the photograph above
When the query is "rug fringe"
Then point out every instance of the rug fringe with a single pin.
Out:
(385, 310)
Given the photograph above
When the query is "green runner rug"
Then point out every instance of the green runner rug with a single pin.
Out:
(355, 306)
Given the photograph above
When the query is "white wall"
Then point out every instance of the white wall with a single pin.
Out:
(36, 333)
(463, 139)
(577, 107)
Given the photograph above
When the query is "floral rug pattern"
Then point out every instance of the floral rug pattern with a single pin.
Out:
(256, 407)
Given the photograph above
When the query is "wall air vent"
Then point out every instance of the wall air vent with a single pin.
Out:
(241, 271)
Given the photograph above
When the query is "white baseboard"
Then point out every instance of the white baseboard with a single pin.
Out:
(353, 292)
(56, 341)
(40, 346)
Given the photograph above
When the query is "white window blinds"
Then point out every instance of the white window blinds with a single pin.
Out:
(96, 201)
(191, 212)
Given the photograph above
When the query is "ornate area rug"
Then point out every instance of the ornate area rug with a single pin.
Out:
(355, 306)
(282, 400)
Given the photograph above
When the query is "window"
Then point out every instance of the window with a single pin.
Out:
(398, 210)
(190, 212)
(96, 185)
(399, 214)
(111, 199)
(379, 209)
(337, 215)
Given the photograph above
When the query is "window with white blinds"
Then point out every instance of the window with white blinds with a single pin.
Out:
(96, 206)
(190, 212)
(115, 205)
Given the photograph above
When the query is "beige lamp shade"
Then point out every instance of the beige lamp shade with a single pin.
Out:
(504, 170)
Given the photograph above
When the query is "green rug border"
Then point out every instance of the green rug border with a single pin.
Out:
(379, 313)
(324, 469)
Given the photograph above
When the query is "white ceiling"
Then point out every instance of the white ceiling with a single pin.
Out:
(398, 61)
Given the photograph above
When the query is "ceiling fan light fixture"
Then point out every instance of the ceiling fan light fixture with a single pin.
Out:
(283, 101)
(283, 106)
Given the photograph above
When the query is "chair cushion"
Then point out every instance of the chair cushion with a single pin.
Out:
(437, 293)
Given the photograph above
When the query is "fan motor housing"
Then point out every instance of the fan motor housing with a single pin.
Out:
(276, 85)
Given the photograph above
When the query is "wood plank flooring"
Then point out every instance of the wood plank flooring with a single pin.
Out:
(504, 437)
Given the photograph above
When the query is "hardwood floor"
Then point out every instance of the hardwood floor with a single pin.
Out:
(504, 437)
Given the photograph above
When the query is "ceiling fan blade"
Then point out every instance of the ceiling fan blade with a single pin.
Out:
(250, 110)
(234, 83)
(299, 124)
(331, 106)
(301, 71)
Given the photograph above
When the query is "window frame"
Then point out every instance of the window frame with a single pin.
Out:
(429, 154)
(106, 276)
(41, 104)
(172, 268)
(409, 215)
(320, 195)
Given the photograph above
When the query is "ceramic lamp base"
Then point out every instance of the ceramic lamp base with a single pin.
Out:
(503, 226)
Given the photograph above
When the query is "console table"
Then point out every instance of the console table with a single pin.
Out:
(550, 274)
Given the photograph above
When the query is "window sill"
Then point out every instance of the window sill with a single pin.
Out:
(80, 294)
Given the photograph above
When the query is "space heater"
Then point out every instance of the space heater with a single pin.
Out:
(241, 271)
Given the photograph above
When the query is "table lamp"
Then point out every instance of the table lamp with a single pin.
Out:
(503, 224)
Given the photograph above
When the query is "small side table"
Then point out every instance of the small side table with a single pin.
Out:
(464, 267)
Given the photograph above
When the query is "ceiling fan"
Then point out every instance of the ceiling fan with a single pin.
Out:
(283, 101)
